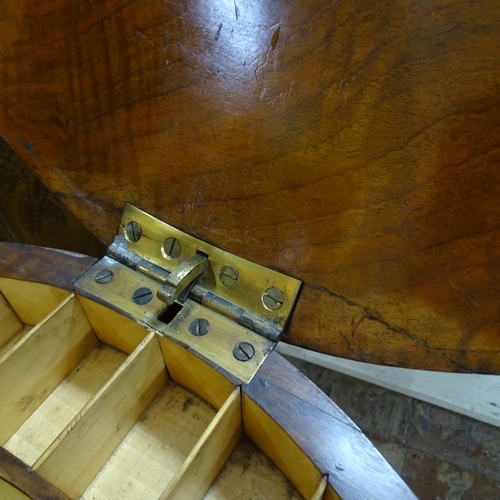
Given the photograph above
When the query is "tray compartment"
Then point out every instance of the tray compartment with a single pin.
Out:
(40, 361)
(81, 450)
(64, 403)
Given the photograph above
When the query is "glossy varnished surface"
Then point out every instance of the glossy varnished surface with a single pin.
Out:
(42, 265)
(332, 441)
(353, 145)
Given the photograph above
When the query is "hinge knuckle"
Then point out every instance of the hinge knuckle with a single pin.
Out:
(207, 284)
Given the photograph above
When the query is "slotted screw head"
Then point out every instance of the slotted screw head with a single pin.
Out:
(133, 231)
(103, 276)
(142, 296)
(171, 248)
(199, 327)
(228, 276)
(273, 298)
(243, 351)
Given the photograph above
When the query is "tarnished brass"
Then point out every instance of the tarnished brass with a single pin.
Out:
(217, 345)
(234, 313)
(181, 277)
(242, 301)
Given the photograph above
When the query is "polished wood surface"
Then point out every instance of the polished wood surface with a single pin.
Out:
(335, 446)
(42, 265)
(353, 145)
(30, 214)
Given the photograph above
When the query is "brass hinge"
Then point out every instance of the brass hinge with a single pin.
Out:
(230, 310)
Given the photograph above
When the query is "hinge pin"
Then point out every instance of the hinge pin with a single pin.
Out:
(243, 351)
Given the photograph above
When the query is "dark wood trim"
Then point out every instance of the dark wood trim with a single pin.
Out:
(17, 473)
(42, 265)
(338, 448)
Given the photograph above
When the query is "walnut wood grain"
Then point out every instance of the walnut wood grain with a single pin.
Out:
(351, 144)
(42, 265)
(336, 446)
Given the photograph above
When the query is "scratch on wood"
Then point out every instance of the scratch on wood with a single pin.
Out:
(464, 293)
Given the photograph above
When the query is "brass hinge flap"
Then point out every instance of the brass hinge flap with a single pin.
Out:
(227, 308)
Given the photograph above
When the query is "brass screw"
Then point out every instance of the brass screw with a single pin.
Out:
(228, 276)
(199, 327)
(273, 298)
(243, 351)
(142, 296)
(133, 231)
(171, 248)
(103, 276)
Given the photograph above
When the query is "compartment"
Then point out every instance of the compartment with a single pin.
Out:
(31, 302)
(77, 455)
(22, 305)
(104, 409)
(248, 475)
(156, 447)
(63, 404)
(39, 362)
(11, 327)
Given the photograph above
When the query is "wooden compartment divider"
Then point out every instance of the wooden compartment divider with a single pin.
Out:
(12, 328)
(188, 370)
(280, 448)
(10, 323)
(64, 403)
(113, 328)
(81, 450)
(210, 453)
(40, 361)
(31, 301)
(14, 340)
(331, 494)
(319, 494)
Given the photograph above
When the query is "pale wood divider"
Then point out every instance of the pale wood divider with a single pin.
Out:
(10, 324)
(14, 340)
(331, 494)
(194, 374)
(113, 328)
(82, 449)
(280, 448)
(40, 361)
(184, 367)
(11, 327)
(31, 301)
(210, 453)
(319, 494)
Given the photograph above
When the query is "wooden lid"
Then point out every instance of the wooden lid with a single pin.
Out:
(352, 145)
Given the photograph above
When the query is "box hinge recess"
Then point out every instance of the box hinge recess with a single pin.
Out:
(229, 309)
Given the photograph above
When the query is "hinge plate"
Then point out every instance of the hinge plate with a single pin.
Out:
(235, 313)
